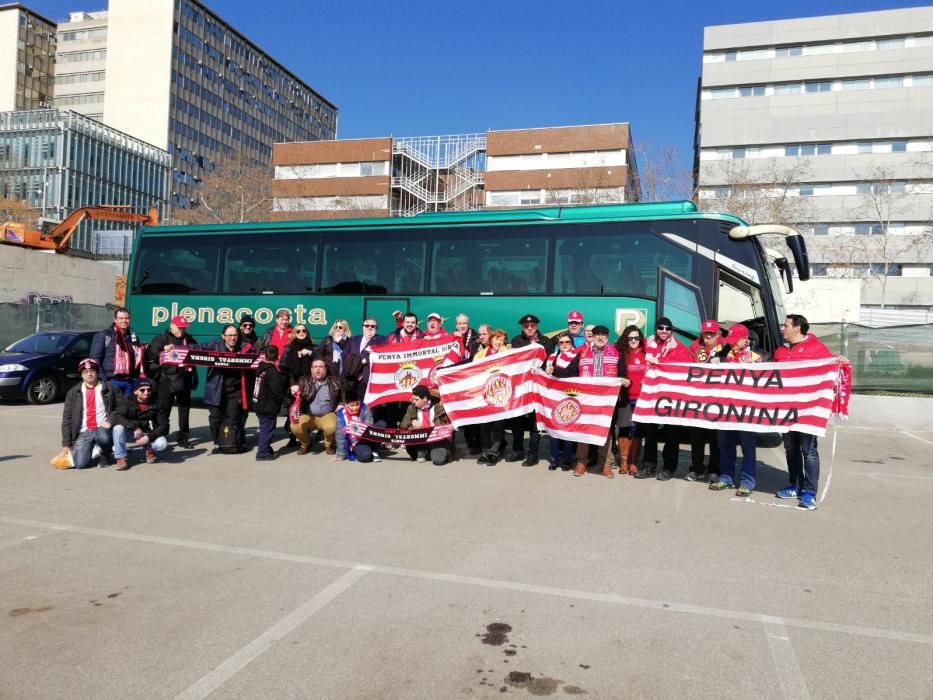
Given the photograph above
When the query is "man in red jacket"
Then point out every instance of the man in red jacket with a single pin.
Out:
(662, 347)
(803, 457)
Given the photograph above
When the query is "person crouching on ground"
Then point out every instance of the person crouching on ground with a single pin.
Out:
(349, 446)
(268, 395)
(318, 396)
(86, 417)
(139, 416)
(425, 411)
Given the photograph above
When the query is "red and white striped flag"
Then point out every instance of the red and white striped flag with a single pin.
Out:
(398, 368)
(764, 398)
(494, 388)
(578, 409)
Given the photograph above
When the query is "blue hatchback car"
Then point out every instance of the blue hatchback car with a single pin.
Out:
(42, 366)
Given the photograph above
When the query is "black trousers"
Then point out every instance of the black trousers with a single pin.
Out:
(229, 408)
(492, 437)
(670, 436)
(699, 439)
(518, 426)
(180, 398)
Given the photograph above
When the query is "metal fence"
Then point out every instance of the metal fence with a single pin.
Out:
(897, 359)
(19, 320)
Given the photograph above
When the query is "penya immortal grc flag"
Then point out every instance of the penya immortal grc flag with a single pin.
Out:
(398, 368)
(578, 409)
(763, 397)
(494, 388)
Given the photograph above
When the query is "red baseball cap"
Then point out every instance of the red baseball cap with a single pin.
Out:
(574, 316)
(180, 321)
(736, 332)
(709, 327)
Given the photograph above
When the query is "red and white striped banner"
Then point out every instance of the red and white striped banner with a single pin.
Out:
(398, 368)
(209, 358)
(494, 388)
(763, 398)
(577, 408)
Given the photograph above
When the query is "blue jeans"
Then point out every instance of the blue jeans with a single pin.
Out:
(728, 439)
(125, 386)
(803, 460)
(81, 450)
(120, 438)
(266, 429)
(562, 451)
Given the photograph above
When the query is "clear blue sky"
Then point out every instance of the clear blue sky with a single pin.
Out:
(432, 67)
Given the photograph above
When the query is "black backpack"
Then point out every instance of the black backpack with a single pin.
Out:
(228, 438)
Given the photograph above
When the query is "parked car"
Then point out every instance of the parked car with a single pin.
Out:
(42, 366)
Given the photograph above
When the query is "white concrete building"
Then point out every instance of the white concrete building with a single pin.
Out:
(175, 74)
(828, 121)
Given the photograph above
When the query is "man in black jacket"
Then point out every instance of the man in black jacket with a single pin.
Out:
(86, 417)
(530, 334)
(118, 352)
(138, 416)
(174, 382)
(268, 395)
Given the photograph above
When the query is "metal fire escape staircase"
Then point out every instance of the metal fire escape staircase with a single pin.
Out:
(437, 173)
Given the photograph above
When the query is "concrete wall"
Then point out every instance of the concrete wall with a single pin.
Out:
(24, 272)
(896, 412)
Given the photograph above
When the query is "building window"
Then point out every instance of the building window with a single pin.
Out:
(785, 51)
(819, 86)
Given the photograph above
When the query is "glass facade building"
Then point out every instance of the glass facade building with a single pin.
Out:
(58, 161)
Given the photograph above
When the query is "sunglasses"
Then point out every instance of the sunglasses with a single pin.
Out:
(301, 330)
(564, 342)
(574, 323)
(145, 390)
(664, 328)
(634, 338)
(246, 325)
(369, 325)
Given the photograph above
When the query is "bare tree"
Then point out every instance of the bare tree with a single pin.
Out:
(872, 255)
(12, 209)
(592, 184)
(766, 193)
(237, 190)
(661, 174)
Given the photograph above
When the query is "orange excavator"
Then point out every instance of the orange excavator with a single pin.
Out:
(57, 237)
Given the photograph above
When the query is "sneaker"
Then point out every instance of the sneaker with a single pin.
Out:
(691, 476)
(96, 452)
(644, 473)
(268, 457)
(742, 491)
(184, 443)
(664, 475)
(530, 462)
(151, 457)
(421, 459)
(515, 457)
(789, 492)
(808, 500)
(122, 464)
(105, 460)
(720, 485)
(376, 457)
(552, 466)
(492, 460)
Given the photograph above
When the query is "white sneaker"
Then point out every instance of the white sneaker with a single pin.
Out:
(95, 453)
(376, 457)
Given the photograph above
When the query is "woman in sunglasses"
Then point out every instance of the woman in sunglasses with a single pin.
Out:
(563, 362)
(631, 347)
(334, 346)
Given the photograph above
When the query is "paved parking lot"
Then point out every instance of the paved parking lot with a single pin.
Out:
(306, 578)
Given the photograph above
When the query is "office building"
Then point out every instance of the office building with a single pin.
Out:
(499, 169)
(826, 123)
(27, 58)
(175, 74)
(58, 161)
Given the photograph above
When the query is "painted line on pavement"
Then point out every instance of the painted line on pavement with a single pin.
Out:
(240, 660)
(793, 685)
(719, 613)
(917, 437)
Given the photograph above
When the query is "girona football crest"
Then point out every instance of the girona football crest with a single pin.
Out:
(407, 377)
(567, 412)
(498, 390)
(432, 375)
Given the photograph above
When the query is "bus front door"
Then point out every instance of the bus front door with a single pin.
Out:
(381, 309)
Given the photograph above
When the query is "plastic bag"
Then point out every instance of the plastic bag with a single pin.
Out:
(63, 460)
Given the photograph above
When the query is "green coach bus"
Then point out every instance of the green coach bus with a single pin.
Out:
(617, 264)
